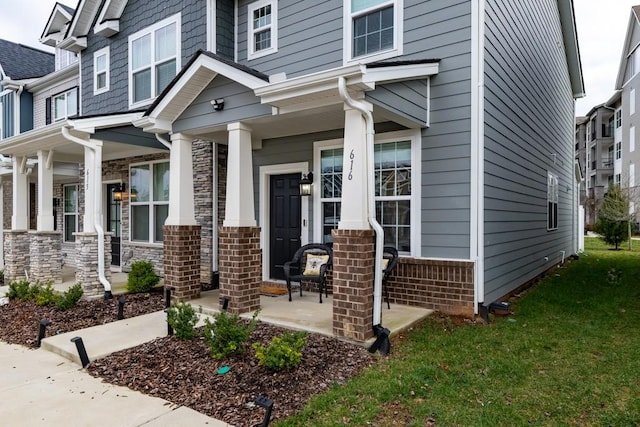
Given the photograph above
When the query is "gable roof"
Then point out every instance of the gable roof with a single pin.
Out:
(75, 39)
(572, 49)
(629, 45)
(56, 26)
(21, 62)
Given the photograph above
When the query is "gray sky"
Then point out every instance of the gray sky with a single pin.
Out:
(602, 26)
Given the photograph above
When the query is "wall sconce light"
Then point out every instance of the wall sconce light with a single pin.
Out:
(119, 192)
(218, 104)
(305, 184)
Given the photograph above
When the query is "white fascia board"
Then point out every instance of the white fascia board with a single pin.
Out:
(399, 73)
(74, 44)
(55, 77)
(89, 125)
(245, 79)
(107, 28)
(108, 22)
(83, 18)
(153, 125)
(30, 142)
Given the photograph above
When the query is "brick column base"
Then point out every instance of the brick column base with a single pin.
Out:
(87, 268)
(182, 261)
(240, 265)
(16, 255)
(353, 256)
(45, 256)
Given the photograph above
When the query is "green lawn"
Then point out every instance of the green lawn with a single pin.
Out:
(567, 356)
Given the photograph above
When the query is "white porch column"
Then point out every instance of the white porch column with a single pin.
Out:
(20, 218)
(181, 201)
(1, 224)
(354, 173)
(89, 188)
(239, 208)
(45, 192)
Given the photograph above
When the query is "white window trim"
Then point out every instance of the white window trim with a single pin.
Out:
(632, 101)
(76, 213)
(632, 139)
(251, 53)
(150, 30)
(96, 55)
(347, 33)
(632, 175)
(553, 184)
(150, 203)
(54, 117)
(416, 173)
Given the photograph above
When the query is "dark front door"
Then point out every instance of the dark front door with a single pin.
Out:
(285, 221)
(114, 212)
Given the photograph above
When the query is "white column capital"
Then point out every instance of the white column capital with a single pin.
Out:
(45, 218)
(238, 126)
(181, 200)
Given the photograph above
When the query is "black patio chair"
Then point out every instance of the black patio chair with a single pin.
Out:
(309, 264)
(390, 257)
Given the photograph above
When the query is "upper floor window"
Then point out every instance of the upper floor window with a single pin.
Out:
(149, 198)
(65, 104)
(263, 28)
(618, 150)
(64, 58)
(632, 101)
(618, 118)
(552, 201)
(632, 139)
(154, 60)
(372, 29)
(101, 71)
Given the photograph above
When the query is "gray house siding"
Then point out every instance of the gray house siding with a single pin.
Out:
(239, 104)
(137, 15)
(529, 116)
(8, 117)
(225, 28)
(407, 99)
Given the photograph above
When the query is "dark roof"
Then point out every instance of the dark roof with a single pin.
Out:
(23, 62)
(401, 63)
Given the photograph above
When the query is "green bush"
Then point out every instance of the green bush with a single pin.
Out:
(283, 352)
(19, 290)
(69, 298)
(182, 318)
(227, 334)
(2, 276)
(46, 295)
(142, 277)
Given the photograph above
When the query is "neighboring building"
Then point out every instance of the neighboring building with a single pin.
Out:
(198, 118)
(628, 84)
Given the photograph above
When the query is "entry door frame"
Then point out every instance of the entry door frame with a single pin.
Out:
(265, 208)
(116, 268)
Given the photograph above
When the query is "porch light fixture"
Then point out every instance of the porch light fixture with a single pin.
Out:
(119, 192)
(218, 104)
(305, 184)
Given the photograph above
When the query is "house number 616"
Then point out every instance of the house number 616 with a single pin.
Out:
(351, 156)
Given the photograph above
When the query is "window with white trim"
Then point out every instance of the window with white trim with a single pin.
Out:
(262, 37)
(632, 101)
(65, 104)
(632, 175)
(70, 212)
(64, 58)
(394, 195)
(616, 179)
(632, 139)
(618, 150)
(154, 60)
(552, 201)
(101, 71)
(149, 200)
(373, 29)
(618, 118)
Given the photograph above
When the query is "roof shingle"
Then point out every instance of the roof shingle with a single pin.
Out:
(23, 62)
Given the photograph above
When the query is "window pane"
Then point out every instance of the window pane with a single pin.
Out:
(141, 52)
(140, 183)
(60, 103)
(69, 228)
(140, 223)
(101, 80)
(262, 17)
(164, 74)
(101, 63)
(142, 85)
(72, 103)
(357, 5)
(160, 212)
(70, 198)
(373, 32)
(330, 218)
(166, 42)
(161, 182)
(262, 40)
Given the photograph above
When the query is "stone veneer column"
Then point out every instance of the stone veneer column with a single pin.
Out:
(353, 257)
(240, 260)
(182, 260)
(16, 254)
(45, 256)
(87, 269)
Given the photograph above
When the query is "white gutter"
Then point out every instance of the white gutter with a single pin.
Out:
(163, 141)
(97, 199)
(377, 277)
(16, 130)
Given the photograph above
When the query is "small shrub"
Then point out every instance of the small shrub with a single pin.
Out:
(1, 276)
(283, 352)
(227, 334)
(19, 290)
(69, 298)
(142, 277)
(183, 318)
(45, 295)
